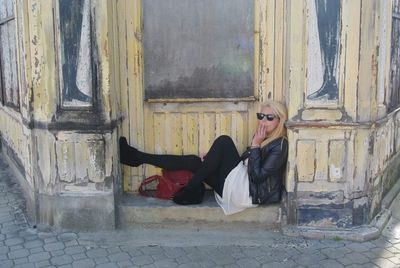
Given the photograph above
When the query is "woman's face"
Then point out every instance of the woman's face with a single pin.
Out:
(269, 114)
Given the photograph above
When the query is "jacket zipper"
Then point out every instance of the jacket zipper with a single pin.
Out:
(269, 185)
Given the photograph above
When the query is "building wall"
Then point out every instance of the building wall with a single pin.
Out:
(343, 146)
(342, 153)
(66, 154)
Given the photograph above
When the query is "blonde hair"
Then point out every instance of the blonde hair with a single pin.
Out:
(279, 110)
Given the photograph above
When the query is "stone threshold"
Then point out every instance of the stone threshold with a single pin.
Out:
(360, 233)
(134, 210)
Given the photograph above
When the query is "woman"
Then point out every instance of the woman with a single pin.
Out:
(239, 182)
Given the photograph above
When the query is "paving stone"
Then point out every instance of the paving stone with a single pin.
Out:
(329, 264)
(36, 250)
(3, 257)
(71, 243)
(33, 244)
(53, 246)
(6, 264)
(149, 266)
(25, 265)
(183, 260)
(43, 264)
(142, 260)
(382, 252)
(335, 254)
(238, 255)
(79, 256)
(384, 263)
(222, 259)
(98, 252)
(248, 263)
(107, 265)
(15, 254)
(165, 263)
(189, 265)
(4, 249)
(74, 250)
(83, 263)
(13, 241)
(60, 260)
(158, 256)
(207, 264)
(174, 252)
(20, 260)
(65, 266)
(125, 264)
(156, 250)
(39, 257)
(309, 258)
(113, 250)
(17, 247)
(358, 247)
(57, 253)
(101, 260)
(50, 240)
(357, 258)
(253, 252)
(395, 259)
(117, 257)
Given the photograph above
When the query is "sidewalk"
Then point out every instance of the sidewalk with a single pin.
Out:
(22, 245)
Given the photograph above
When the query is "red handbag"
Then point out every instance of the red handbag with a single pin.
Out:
(169, 183)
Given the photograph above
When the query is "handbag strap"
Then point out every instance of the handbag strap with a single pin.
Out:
(146, 181)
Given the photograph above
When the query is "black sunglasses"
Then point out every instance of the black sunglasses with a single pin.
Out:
(269, 117)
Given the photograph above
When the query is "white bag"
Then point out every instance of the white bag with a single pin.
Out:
(236, 195)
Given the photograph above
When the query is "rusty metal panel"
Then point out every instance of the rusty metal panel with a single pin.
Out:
(198, 48)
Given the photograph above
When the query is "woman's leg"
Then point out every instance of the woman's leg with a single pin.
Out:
(219, 161)
(132, 157)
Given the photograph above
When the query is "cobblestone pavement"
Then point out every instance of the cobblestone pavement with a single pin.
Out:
(23, 245)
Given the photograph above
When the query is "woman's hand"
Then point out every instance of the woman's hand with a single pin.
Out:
(260, 135)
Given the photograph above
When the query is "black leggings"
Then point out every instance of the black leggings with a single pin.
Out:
(218, 162)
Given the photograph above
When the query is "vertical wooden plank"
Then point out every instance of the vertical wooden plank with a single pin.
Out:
(296, 52)
(190, 133)
(122, 21)
(351, 29)
(257, 59)
(224, 121)
(367, 61)
(279, 34)
(269, 52)
(173, 130)
(240, 129)
(388, 17)
(207, 131)
(135, 81)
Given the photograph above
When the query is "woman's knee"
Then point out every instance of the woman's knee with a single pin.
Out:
(224, 139)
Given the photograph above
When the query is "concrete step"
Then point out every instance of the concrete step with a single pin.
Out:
(135, 210)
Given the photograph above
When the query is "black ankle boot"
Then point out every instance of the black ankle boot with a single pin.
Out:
(128, 155)
(190, 196)
(328, 91)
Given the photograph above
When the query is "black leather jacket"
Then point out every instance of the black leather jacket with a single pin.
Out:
(266, 168)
